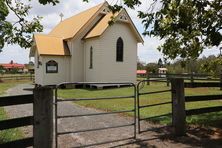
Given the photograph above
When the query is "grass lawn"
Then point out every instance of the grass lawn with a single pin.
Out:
(10, 134)
(126, 104)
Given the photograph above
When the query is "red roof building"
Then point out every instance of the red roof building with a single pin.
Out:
(141, 72)
(13, 65)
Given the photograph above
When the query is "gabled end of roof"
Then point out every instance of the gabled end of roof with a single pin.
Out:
(103, 24)
(70, 27)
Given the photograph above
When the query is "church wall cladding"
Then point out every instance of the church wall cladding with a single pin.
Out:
(87, 51)
(38, 69)
(105, 67)
(76, 46)
(63, 73)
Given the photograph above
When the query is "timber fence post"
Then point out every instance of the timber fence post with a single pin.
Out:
(220, 81)
(148, 78)
(178, 106)
(43, 117)
(192, 79)
(167, 79)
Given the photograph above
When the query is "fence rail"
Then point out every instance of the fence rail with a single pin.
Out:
(203, 110)
(203, 98)
(17, 122)
(26, 142)
(196, 80)
(16, 100)
(202, 84)
(21, 77)
(42, 119)
(140, 107)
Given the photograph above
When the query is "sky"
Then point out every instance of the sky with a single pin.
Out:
(147, 52)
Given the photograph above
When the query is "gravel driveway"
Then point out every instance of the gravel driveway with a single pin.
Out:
(148, 139)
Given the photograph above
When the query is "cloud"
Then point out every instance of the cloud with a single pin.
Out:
(51, 13)
(147, 52)
(15, 53)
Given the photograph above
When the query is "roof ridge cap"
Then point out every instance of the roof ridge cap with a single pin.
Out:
(49, 35)
(84, 11)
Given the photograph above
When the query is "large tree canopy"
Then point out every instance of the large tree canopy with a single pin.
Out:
(186, 26)
(18, 31)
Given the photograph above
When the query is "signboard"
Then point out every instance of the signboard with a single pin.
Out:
(51, 67)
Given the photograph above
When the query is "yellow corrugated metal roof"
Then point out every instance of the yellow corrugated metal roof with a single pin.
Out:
(104, 24)
(70, 27)
(54, 43)
(101, 26)
(50, 45)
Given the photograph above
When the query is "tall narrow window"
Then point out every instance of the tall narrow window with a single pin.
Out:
(119, 50)
(91, 58)
(37, 61)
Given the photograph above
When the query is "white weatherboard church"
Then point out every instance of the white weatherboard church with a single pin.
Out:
(85, 48)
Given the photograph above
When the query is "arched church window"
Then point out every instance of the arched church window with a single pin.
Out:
(91, 58)
(51, 67)
(119, 50)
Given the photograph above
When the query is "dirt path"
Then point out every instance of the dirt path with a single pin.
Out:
(161, 138)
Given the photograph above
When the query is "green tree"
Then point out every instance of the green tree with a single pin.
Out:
(160, 63)
(18, 31)
(187, 26)
(140, 65)
(152, 68)
(1, 69)
(212, 65)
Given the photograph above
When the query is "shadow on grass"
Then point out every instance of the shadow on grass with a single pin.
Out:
(213, 119)
(208, 119)
(204, 130)
(195, 136)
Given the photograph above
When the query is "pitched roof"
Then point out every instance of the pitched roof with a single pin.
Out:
(50, 45)
(55, 42)
(100, 28)
(71, 26)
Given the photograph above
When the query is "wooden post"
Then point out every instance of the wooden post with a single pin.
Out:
(31, 76)
(148, 78)
(167, 79)
(43, 117)
(178, 106)
(191, 79)
(221, 81)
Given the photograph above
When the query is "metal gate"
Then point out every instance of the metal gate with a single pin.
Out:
(76, 131)
(143, 106)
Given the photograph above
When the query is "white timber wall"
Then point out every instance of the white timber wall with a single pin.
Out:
(76, 46)
(105, 66)
(94, 74)
(38, 69)
(63, 74)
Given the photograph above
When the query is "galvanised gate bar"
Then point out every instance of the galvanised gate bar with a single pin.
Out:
(75, 131)
(140, 107)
